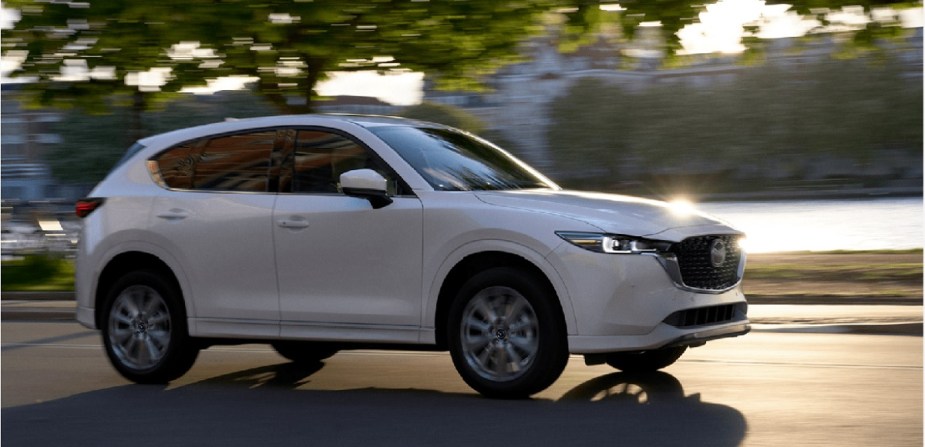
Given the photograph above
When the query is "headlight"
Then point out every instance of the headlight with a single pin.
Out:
(614, 243)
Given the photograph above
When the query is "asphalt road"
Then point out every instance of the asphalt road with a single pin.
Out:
(759, 390)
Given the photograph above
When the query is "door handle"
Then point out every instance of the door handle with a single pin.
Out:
(294, 223)
(174, 214)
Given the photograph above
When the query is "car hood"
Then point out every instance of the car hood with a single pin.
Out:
(613, 213)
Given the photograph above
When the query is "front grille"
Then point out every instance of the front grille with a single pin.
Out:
(702, 316)
(696, 258)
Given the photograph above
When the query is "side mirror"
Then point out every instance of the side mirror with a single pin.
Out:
(366, 184)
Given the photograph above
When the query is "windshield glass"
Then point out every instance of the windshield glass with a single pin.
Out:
(451, 160)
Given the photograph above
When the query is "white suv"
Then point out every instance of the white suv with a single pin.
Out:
(322, 233)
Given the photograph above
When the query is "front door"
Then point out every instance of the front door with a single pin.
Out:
(344, 268)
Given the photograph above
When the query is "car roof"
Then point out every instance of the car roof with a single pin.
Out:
(232, 125)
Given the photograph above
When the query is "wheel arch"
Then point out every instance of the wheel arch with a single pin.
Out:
(481, 261)
(124, 263)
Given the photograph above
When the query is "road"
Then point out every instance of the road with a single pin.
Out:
(763, 389)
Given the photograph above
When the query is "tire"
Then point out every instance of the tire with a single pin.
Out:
(144, 329)
(305, 353)
(645, 361)
(506, 334)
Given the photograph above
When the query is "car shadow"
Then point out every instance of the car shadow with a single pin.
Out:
(262, 406)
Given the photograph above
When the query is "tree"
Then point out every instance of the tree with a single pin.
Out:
(287, 45)
(98, 56)
(103, 56)
(290, 45)
(857, 119)
(445, 114)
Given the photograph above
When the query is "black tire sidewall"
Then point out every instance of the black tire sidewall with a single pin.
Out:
(180, 351)
(552, 352)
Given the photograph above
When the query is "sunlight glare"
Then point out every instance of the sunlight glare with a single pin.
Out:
(397, 89)
(682, 206)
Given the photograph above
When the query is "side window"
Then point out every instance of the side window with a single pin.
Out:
(174, 168)
(319, 158)
(235, 163)
(229, 163)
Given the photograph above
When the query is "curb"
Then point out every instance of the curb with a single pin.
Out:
(38, 315)
(66, 295)
(838, 300)
(907, 329)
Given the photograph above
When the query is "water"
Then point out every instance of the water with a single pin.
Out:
(821, 225)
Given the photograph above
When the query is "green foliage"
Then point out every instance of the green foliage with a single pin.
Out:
(289, 45)
(80, 54)
(455, 117)
(899, 271)
(445, 114)
(38, 272)
(769, 122)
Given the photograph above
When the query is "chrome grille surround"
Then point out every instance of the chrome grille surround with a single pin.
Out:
(689, 263)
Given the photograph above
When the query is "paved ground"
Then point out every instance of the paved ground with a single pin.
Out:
(763, 389)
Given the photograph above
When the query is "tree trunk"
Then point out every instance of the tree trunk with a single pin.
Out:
(315, 72)
(137, 131)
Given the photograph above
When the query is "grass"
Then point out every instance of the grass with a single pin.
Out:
(868, 272)
(900, 271)
(843, 273)
(38, 273)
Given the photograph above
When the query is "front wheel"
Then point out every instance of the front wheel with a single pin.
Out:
(144, 332)
(507, 334)
(645, 361)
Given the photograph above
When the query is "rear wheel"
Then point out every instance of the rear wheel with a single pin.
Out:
(144, 332)
(506, 334)
(303, 352)
(645, 361)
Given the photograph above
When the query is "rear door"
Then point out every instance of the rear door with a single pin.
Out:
(216, 219)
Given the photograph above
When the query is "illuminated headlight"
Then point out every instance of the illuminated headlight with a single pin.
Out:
(614, 243)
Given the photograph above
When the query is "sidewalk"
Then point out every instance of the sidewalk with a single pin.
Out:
(862, 316)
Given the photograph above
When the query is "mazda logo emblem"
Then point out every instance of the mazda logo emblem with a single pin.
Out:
(717, 253)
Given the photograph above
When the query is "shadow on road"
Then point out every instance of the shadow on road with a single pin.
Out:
(262, 406)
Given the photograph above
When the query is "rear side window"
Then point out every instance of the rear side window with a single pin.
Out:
(174, 167)
(239, 163)
(235, 163)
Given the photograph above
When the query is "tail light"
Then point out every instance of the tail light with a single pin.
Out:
(84, 207)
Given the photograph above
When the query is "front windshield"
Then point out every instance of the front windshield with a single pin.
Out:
(451, 160)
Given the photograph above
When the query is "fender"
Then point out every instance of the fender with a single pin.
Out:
(492, 245)
(146, 247)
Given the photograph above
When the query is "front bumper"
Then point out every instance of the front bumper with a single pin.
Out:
(630, 303)
(663, 336)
